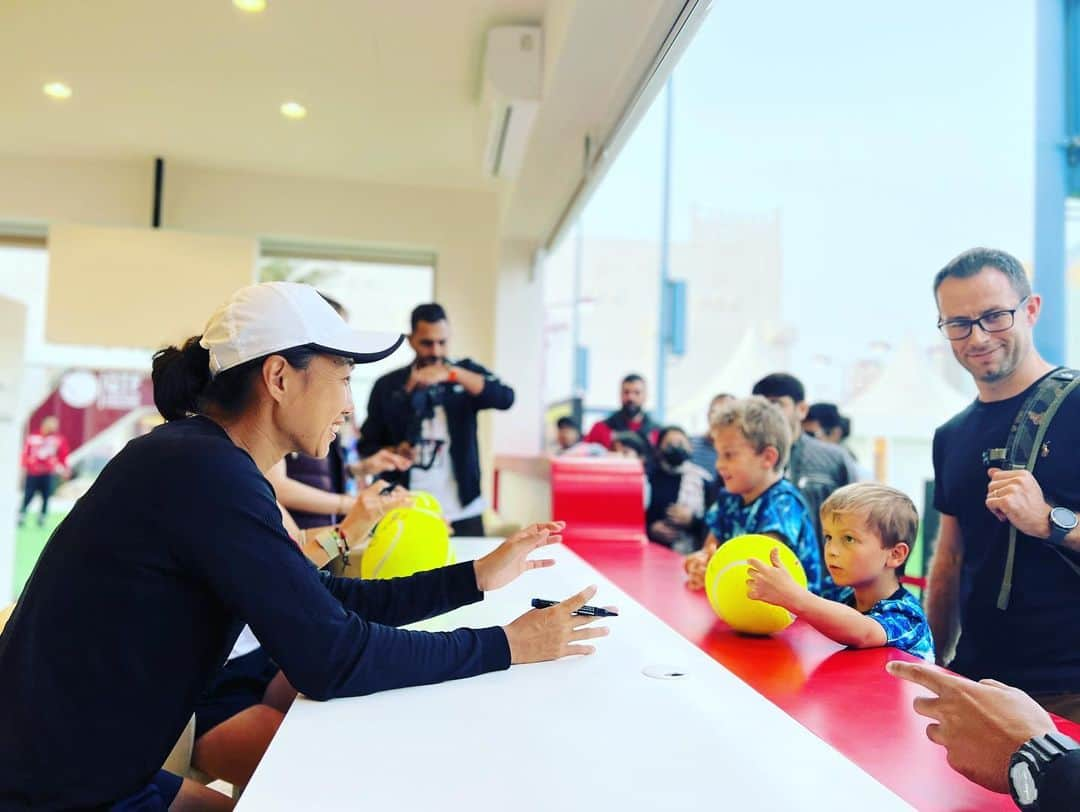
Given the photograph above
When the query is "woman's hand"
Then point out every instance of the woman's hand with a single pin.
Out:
(511, 558)
(552, 633)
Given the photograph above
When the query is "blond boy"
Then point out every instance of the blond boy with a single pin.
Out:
(869, 530)
(752, 441)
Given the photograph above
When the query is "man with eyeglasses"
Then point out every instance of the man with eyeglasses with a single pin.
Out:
(427, 412)
(1026, 634)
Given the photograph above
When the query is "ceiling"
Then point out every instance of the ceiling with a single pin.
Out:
(392, 87)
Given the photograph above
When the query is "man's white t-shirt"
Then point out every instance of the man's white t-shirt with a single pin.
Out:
(438, 480)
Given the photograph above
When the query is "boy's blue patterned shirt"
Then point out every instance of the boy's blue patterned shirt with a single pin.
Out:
(780, 510)
(902, 617)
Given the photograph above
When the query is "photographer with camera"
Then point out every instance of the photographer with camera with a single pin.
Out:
(427, 412)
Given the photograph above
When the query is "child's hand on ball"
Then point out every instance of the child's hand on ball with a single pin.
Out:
(771, 582)
(697, 563)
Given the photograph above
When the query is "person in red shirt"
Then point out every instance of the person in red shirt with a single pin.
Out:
(631, 417)
(44, 456)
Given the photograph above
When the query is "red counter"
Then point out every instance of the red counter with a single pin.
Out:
(844, 697)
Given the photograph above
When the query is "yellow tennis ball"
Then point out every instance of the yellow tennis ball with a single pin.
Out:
(407, 540)
(725, 584)
(425, 501)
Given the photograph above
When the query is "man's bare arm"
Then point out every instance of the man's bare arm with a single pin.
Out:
(943, 589)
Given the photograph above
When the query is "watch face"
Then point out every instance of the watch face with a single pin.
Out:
(1063, 518)
(1023, 783)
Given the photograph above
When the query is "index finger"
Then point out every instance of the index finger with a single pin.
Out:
(928, 676)
(540, 527)
(543, 540)
(756, 564)
(999, 474)
(575, 602)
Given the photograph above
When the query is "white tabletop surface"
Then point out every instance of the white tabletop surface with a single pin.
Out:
(580, 733)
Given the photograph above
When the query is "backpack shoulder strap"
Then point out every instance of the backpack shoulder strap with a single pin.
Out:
(1024, 445)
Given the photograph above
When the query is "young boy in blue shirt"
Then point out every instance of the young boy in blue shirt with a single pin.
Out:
(752, 442)
(869, 530)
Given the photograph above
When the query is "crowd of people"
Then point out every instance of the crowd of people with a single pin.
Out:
(193, 532)
(682, 476)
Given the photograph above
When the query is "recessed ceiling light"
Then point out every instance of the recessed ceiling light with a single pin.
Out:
(57, 90)
(293, 110)
(250, 6)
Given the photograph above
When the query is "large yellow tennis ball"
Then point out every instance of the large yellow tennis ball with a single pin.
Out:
(725, 584)
(407, 540)
(425, 501)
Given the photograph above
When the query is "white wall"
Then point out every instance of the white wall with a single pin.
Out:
(458, 226)
(519, 347)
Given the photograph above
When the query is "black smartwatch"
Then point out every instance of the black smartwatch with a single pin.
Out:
(1062, 520)
(1029, 763)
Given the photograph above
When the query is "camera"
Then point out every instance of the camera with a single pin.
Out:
(418, 406)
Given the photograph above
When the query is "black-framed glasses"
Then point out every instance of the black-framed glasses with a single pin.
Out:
(996, 321)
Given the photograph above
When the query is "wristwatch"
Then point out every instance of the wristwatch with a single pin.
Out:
(1062, 520)
(1030, 762)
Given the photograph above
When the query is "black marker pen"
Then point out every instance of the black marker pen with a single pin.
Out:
(593, 611)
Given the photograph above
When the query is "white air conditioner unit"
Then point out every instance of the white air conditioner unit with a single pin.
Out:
(513, 71)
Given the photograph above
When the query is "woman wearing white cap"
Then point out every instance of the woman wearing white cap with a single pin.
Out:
(140, 592)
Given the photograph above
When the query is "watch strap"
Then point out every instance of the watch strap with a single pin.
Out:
(1039, 753)
(1057, 533)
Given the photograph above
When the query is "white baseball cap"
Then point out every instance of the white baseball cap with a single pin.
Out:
(262, 319)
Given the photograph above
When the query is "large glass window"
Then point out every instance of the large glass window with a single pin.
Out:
(823, 165)
(618, 258)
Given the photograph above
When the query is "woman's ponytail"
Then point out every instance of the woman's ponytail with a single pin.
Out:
(180, 376)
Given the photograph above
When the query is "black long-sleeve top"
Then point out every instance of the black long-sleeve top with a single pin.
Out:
(140, 594)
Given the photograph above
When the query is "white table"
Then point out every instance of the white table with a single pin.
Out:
(580, 733)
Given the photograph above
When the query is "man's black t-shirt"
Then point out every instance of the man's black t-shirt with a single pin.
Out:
(1035, 643)
(140, 594)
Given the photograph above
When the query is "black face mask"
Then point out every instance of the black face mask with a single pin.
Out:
(675, 455)
(631, 410)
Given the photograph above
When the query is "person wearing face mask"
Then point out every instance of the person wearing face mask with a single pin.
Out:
(676, 510)
(631, 417)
